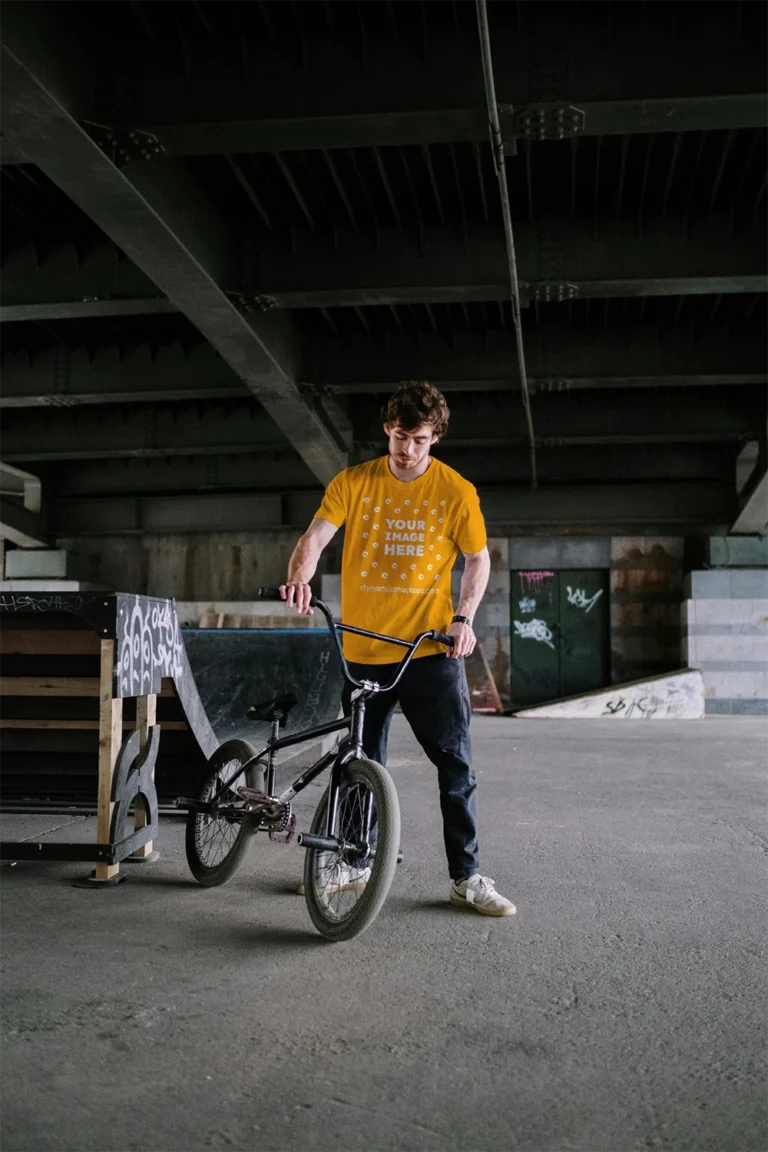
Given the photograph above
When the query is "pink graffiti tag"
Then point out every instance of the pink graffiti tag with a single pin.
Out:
(533, 581)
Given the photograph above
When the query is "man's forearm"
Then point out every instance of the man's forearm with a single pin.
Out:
(474, 581)
(303, 563)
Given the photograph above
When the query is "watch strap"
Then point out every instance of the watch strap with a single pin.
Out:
(461, 620)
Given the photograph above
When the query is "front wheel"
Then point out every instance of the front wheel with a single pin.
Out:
(345, 892)
(216, 844)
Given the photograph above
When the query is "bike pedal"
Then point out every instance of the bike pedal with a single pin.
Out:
(246, 793)
(286, 834)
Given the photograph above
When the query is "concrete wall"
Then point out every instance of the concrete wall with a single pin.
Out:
(492, 618)
(725, 615)
(646, 590)
(725, 635)
(199, 566)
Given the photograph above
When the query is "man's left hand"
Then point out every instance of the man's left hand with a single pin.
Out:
(464, 641)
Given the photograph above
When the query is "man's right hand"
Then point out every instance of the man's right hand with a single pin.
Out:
(298, 596)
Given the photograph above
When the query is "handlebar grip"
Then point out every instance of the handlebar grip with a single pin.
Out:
(443, 639)
(268, 594)
(274, 594)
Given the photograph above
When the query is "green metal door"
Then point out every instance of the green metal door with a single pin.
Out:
(560, 634)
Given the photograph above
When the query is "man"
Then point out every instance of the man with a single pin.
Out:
(407, 516)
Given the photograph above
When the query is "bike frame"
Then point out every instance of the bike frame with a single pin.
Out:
(351, 748)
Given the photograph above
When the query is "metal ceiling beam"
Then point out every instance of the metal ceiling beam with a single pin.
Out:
(753, 501)
(645, 509)
(63, 433)
(284, 472)
(637, 117)
(675, 416)
(679, 508)
(160, 219)
(132, 515)
(556, 262)
(65, 377)
(274, 471)
(577, 383)
(558, 357)
(459, 125)
(71, 284)
(586, 418)
(87, 309)
(560, 361)
(326, 97)
(451, 125)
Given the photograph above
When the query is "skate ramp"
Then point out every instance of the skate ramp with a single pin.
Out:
(234, 668)
(672, 696)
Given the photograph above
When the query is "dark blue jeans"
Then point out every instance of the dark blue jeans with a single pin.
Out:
(434, 697)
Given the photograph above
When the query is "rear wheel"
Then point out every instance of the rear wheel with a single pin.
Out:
(216, 844)
(345, 891)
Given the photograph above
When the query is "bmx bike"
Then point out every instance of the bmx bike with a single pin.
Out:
(353, 842)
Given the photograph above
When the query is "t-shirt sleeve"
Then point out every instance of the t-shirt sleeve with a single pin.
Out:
(469, 532)
(334, 505)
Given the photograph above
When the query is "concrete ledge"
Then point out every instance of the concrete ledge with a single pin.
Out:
(52, 586)
(736, 707)
(43, 564)
(672, 696)
(727, 584)
(244, 614)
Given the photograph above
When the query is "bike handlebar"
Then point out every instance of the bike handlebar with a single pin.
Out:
(273, 594)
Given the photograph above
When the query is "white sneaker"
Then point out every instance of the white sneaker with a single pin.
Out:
(346, 879)
(479, 893)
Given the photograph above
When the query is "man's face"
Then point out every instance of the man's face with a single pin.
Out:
(409, 447)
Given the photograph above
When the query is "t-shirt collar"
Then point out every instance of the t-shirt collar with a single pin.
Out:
(405, 483)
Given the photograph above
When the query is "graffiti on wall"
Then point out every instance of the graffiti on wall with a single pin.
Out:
(49, 603)
(534, 581)
(672, 698)
(527, 605)
(579, 599)
(534, 630)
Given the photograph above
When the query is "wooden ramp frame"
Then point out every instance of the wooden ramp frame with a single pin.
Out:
(141, 655)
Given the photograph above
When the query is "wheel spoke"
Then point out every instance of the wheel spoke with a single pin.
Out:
(215, 836)
(332, 870)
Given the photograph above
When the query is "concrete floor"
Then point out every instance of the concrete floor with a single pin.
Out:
(622, 1008)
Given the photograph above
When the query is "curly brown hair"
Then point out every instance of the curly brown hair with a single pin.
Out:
(417, 402)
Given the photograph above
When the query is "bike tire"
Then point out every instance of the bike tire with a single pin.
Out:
(366, 909)
(230, 753)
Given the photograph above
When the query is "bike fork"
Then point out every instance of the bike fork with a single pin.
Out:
(334, 787)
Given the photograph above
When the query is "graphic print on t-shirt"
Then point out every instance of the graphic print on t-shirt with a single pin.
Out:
(402, 539)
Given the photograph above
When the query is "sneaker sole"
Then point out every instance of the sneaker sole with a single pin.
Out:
(357, 886)
(458, 902)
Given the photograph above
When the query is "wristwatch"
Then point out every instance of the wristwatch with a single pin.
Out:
(462, 620)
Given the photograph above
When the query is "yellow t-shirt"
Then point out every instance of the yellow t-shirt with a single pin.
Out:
(402, 538)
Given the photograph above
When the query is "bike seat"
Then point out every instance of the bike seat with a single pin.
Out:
(277, 708)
